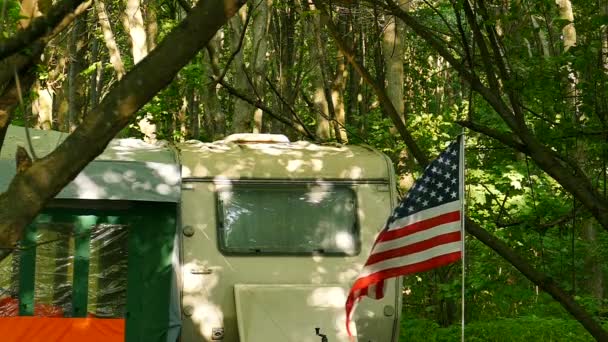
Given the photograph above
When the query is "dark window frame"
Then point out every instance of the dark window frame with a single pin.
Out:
(355, 230)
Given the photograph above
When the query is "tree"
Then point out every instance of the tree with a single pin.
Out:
(537, 277)
(32, 188)
(503, 93)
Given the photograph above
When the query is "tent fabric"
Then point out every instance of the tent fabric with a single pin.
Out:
(49, 329)
(151, 282)
(128, 169)
(128, 259)
(44, 142)
(175, 310)
(9, 307)
(116, 180)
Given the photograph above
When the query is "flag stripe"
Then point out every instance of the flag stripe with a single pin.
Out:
(412, 258)
(419, 226)
(417, 237)
(414, 248)
(426, 265)
(425, 214)
(423, 232)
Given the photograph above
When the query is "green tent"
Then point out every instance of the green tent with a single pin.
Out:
(103, 255)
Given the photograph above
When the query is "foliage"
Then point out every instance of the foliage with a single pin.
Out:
(524, 329)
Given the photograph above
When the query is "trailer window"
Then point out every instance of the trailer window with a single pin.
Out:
(273, 219)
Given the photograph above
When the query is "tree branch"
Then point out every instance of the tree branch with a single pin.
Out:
(442, 17)
(259, 104)
(185, 5)
(506, 138)
(38, 28)
(10, 98)
(549, 160)
(383, 98)
(291, 110)
(238, 47)
(30, 190)
(312, 108)
(541, 279)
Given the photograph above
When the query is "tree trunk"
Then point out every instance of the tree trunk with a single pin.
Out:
(604, 11)
(243, 112)
(182, 119)
(354, 81)
(194, 113)
(42, 106)
(151, 26)
(214, 115)
(568, 31)
(133, 22)
(94, 79)
(323, 130)
(392, 50)
(337, 98)
(10, 98)
(541, 37)
(28, 11)
(60, 88)
(593, 267)
(78, 46)
(283, 23)
(326, 122)
(364, 96)
(108, 36)
(260, 26)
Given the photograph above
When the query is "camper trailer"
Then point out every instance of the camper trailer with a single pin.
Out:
(252, 238)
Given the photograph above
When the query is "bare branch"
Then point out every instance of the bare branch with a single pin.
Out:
(440, 15)
(312, 108)
(506, 138)
(259, 104)
(383, 98)
(238, 47)
(291, 110)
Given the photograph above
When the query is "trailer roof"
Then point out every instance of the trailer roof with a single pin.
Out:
(130, 169)
(297, 160)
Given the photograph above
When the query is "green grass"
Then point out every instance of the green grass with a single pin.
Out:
(508, 330)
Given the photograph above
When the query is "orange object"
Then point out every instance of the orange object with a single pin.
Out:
(51, 329)
(9, 307)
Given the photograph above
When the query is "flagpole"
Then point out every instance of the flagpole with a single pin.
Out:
(462, 230)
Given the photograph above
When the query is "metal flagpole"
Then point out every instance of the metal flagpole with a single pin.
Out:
(462, 231)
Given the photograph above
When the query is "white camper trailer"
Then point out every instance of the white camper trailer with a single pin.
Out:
(270, 235)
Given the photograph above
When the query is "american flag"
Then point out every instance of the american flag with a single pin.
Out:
(424, 231)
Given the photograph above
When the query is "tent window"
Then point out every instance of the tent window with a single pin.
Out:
(67, 266)
(287, 219)
(108, 270)
(54, 266)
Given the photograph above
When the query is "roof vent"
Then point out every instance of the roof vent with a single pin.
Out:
(253, 138)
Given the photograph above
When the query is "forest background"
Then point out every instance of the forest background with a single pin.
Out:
(528, 79)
